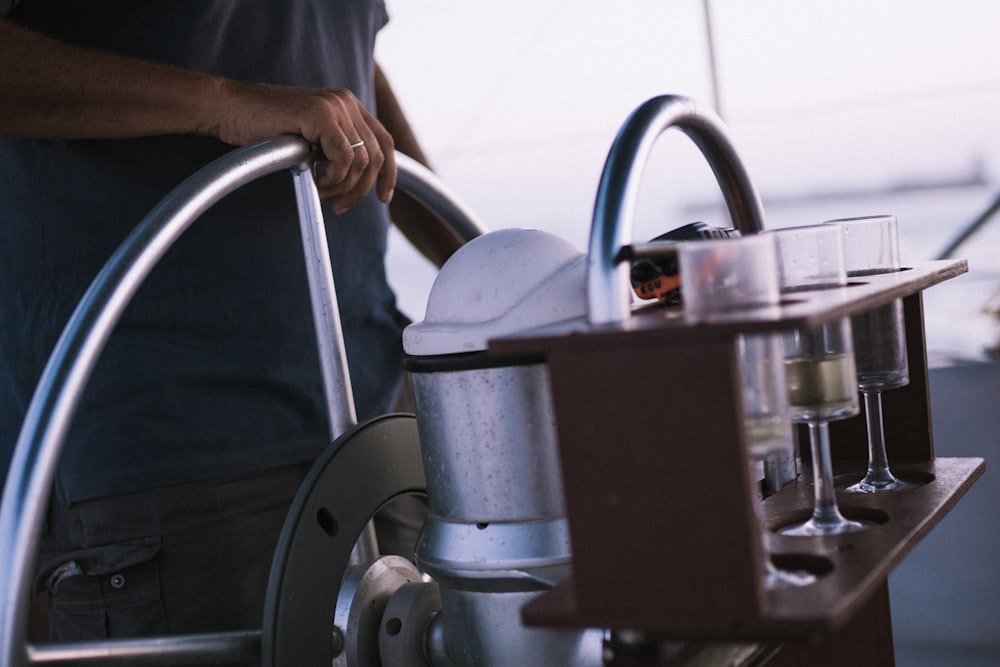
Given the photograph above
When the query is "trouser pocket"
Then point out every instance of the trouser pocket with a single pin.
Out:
(105, 592)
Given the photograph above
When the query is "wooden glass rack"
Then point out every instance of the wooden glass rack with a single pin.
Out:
(660, 499)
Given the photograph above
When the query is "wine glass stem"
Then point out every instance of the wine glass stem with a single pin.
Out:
(878, 462)
(825, 510)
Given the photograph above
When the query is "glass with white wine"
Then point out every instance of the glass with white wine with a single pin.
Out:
(722, 276)
(819, 365)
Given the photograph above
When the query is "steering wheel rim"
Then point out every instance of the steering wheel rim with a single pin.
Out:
(359, 474)
(32, 468)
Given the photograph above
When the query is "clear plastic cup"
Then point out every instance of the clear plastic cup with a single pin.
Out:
(719, 276)
(810, 257)
(871, 244)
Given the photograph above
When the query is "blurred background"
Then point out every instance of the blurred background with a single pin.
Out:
(838, 109)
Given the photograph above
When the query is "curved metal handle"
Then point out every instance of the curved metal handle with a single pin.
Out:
(32, 468)
(423, 185)
(617, 193)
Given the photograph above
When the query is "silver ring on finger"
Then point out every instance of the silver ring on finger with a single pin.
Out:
(358, 144)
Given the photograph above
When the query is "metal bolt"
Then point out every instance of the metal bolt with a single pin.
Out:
(337, 640)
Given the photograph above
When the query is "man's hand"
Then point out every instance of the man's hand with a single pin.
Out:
(358, 152)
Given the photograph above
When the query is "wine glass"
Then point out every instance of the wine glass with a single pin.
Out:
(768, 428)
(871, 246)
(723, 276)
(819, 365)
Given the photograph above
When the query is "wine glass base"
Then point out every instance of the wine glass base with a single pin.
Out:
(813, 528)
(880, 485)
(778, 578)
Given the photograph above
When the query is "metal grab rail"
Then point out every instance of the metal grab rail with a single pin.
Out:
(33, 465)
(236, 646)
(423, 185)
(618, 191)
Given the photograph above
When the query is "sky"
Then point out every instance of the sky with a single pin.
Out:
(517, 103)
(532, 85)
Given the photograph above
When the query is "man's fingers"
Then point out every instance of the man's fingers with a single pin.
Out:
(367, 168)
(358, 155)
(386, 177)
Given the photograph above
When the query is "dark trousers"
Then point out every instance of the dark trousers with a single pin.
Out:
(190, 558)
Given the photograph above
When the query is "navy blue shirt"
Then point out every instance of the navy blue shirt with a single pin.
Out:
(212, 370)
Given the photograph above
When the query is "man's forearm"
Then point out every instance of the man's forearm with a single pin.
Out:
(54, 90)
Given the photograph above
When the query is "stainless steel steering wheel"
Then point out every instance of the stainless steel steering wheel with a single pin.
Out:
(32, 469)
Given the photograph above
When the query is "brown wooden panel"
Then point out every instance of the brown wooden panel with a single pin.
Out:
(657, 485)
(865, 641)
